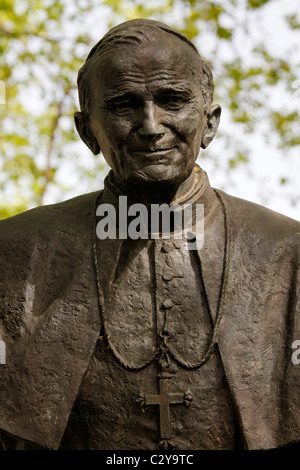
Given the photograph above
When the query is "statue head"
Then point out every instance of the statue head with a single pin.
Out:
(145, 96)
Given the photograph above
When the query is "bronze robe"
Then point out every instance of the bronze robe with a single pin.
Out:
(50, 320)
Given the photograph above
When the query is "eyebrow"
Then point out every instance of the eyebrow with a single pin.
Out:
(110, 98)
(175, 89)
(113, 95)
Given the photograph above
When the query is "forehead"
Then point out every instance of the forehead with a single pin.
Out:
(168, 61)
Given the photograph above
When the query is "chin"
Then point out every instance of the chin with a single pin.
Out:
(167, 176)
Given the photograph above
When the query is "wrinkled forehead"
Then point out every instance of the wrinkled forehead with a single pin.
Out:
(166, 58)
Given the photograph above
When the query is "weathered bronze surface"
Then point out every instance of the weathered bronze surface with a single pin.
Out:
(107, 341)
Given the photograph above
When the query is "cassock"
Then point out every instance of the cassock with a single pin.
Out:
(147, 344)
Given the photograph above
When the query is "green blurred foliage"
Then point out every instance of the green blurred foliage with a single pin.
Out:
(39, 64)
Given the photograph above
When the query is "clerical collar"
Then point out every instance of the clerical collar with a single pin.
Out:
(197, 189)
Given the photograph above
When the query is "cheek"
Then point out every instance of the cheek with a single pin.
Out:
(111, 132)
(190, 126)
(195, 122)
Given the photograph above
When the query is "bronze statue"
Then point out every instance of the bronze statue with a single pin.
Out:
(143, 343)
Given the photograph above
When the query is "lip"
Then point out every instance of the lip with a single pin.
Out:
(152, 151)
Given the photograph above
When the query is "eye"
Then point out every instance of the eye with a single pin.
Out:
(123, 105)
(172, 101)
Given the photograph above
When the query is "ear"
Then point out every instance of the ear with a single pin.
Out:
(212, 124)
(83, 129)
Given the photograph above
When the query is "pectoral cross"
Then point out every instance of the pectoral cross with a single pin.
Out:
(164, 399)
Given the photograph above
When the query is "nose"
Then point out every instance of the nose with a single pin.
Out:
(150, 126)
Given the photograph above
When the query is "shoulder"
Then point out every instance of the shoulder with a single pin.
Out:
(249, 212)
(43, 251)
(258, 219)
(71, 215)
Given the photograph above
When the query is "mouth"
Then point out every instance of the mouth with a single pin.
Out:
(152, 152)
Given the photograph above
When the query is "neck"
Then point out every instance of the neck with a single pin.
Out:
(157, 193)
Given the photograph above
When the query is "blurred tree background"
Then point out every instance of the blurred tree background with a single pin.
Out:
(252, 46)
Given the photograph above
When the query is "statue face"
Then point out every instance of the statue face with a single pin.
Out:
(148, 114)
